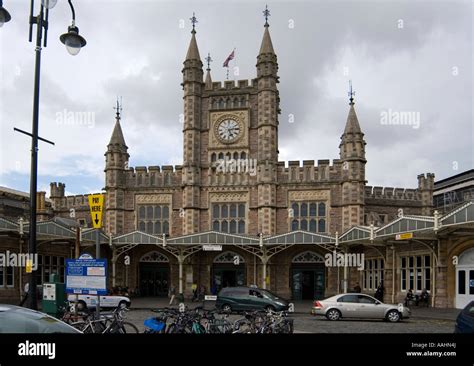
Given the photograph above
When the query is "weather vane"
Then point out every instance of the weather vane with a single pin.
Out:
(118, 108)
(193, 21)
(351, 93)
(266, 14)
(208, 60)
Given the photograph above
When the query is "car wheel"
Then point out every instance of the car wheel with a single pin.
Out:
(227, 308)
(393, 316)
(333, 314)
(269, 308)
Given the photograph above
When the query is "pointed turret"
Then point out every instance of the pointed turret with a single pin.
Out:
(117, 138)
(193, 51)
(352, 144)
(267, 46)
(208, 80)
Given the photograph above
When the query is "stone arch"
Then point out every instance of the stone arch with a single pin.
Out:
(154, 257)
(228, 257)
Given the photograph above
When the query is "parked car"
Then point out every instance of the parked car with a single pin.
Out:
(249, 298)
(106, 301)
(16, 319)
(355, 305)
(465, 320)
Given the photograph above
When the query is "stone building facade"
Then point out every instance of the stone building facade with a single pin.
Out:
(231, 181)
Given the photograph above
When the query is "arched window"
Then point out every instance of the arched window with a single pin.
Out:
(215, 225)
(304, 209)
(157, 212)
(215, 211)
(322, 209)
(149, 212)
(241, 227)
(296, 211)
(241, 210)
(243, 155)
(224, 211)
(149, 227)
(221, 104)
(224, 226)
(312, 209)
(312, 225)
(322, 226)
(236, 156)
(294, 225)
(233, 227)
(141, 226)
(166, 227)
(158, 227)
(233, 210)
(213, 157)
(141, 212)
(166, 212)
(304, 225)
(221, 156)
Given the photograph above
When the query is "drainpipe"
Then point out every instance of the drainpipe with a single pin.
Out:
(180, 262)
(20, 287)
(393, 273)
(114, 260)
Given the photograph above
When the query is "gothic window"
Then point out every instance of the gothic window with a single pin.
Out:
(154, 257)
(221, 156)
(153, 219)
(242, 102)
(308, 216)
(236, 156)
(243, 155)
(228, 257)
(229, 217)
(213, 157)
(308, 257)
(221, 104)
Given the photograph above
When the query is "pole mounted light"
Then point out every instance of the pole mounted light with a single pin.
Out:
(4, 15)
(72, 40)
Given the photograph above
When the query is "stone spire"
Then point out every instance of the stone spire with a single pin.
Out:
(208, 80)
(193, 51)
(267, 46)
(352, 124)
(117, 138)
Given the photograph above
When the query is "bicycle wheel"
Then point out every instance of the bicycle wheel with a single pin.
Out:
(128, 328)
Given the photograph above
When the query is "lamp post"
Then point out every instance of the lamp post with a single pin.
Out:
(70, 39)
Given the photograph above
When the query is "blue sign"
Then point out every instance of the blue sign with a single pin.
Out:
(86, 276)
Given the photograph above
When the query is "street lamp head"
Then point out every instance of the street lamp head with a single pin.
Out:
(49, 4)
(4, 15)
(73, 41)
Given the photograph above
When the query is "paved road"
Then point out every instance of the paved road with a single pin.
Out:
(305, 323)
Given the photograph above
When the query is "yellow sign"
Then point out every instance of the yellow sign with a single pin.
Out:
(404, 236)
(96, 204)
(29, 266)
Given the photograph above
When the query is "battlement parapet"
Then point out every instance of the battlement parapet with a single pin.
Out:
(153, 176)
(390, 193)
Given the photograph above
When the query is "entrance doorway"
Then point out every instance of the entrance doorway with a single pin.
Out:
(228, 270)
(154, 274)
(465, 279)
(308, 276)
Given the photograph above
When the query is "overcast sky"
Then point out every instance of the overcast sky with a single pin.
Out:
(402, 56)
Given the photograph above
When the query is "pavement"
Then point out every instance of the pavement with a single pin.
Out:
(300, 308)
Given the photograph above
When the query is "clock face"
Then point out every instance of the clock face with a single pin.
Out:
(228, 130)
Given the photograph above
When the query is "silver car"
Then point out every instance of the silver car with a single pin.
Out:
(355, 305)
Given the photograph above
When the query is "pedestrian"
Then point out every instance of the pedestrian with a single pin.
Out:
(409, 297)
(172, 294)
(379, 292)
(25, 293)
(357, 288)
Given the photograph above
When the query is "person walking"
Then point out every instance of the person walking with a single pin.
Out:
(357, 288)
(172, 294)
(379, 292)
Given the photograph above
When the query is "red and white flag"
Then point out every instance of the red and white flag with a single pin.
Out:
(227, 60)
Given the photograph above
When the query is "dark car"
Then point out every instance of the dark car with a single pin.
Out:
(15, 319)
(465, 320)
(249, 298)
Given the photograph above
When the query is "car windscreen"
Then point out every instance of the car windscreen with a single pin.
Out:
(269, 295)
(24, 321)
